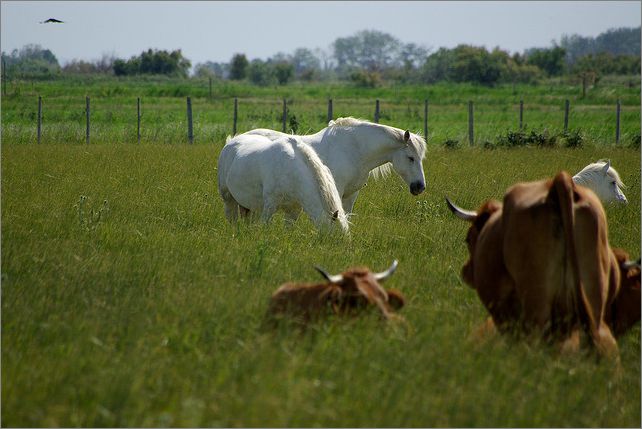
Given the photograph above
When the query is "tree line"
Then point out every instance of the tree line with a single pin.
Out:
(369, 58)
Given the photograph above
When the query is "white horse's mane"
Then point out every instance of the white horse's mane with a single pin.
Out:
(594, 171)
(327, 187)
(417, 142)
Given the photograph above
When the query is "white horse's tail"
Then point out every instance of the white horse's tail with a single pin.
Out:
(327, 188)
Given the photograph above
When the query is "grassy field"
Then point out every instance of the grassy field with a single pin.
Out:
(114, 109)
(128, 300)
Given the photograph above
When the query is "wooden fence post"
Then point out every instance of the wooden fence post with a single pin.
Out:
(583, 84)
(236, 112)
(87, 112)
(330, 116)
(426, 119)
(471, 132)
(285, 113)
(617, 122)
(39, 118)
(521, 114)
(376, 116)
(190, 129)
(567, 105)
(138, 114)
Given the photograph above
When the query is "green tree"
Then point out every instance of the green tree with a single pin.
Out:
(283, 72)
(239, 67)
(261, 73)
(550, 60)
(31, 60)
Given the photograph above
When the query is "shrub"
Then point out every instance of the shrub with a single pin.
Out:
(572, 139)
(451, 144)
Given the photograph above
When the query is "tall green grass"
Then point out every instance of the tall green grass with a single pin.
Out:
(128, 300)
(113, 109)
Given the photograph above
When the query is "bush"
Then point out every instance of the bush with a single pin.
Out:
(572, 139)
(366, 79)
(451, 144)
(522, 138)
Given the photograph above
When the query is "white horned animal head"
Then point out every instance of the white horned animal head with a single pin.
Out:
(602, 179)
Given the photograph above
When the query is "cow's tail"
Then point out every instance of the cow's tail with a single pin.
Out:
(325, 181)
(564, 189)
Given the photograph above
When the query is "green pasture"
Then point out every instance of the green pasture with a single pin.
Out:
(129, 301)
(163, 105)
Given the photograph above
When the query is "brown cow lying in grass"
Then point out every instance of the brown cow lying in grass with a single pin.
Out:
(344, 294)
(541, 263)
(624, 309)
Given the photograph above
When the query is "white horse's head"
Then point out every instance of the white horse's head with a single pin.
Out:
(602, 179)
(407, 162)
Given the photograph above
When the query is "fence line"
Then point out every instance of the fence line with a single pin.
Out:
(190, 128)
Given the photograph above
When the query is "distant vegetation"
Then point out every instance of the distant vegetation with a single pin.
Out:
(369, 59)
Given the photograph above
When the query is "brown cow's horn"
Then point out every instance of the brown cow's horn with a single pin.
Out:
(329, 277)
(384, 275)
(467, 215)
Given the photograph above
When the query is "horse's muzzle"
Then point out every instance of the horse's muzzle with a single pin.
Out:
(417, 188)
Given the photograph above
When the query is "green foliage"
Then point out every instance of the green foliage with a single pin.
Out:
(154, 62)
(451, 144)
(239, 67)
(283, 72)
(475, 64)
(572, 139)
(607, 63)
(366, 79)
(31, 61)
(616, 41)
(261, 73)
(543, 138)
(550, 60)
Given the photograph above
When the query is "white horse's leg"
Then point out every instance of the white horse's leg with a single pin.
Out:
(348, 202)
(269, 208)
(231, 206)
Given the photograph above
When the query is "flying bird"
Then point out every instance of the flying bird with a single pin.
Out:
(52, 20)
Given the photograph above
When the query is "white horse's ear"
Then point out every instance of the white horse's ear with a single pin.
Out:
(406, 136)
(606, 167)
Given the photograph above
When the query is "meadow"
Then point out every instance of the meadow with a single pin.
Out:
(128, 300)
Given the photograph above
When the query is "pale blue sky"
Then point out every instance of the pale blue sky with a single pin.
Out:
(215, 31)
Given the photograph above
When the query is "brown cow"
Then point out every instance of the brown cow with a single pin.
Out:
(541, 261)
(344, 293)
(624, 309)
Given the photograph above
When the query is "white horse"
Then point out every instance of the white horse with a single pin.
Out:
(354, 148)
(256, 174)
(602, 179)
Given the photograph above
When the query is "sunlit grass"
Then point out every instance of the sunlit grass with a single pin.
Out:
(149, 313)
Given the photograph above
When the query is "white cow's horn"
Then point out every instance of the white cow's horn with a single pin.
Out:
(467, 215)
(631, 264)
(384, 275)
(329, 277)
